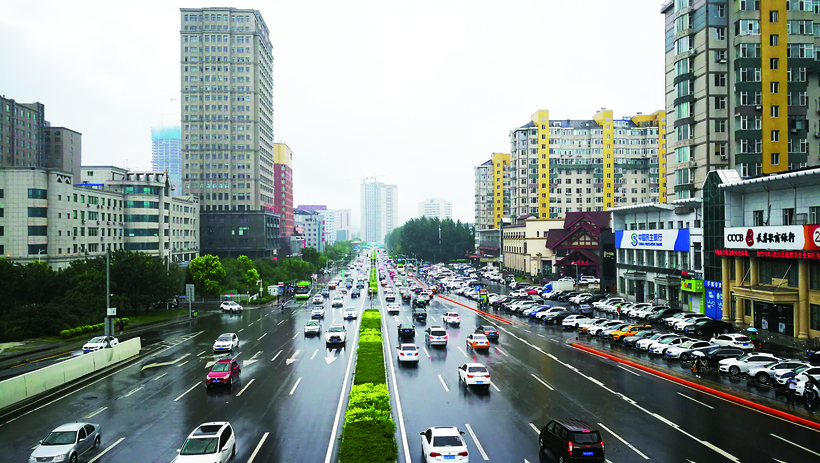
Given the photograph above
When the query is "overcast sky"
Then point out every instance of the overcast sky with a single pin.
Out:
(415, 93)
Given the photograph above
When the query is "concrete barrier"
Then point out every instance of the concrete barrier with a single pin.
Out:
(27, 385)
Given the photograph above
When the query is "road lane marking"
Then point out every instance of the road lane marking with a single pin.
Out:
(292, 358)
(163, 364)
(295, 335)
(495, 387)
(258, 446)
(132, 392)
(625, 442)
(501, 352)
(432, 318)
(693, 400)
(183, 363)
(535, 428)
(280, 322)
(277, 355)
(796, 445)
(106, 450)
(295, 386)
(314, 354)
(260, 337)
(241, 330)
(201, 353)
(425, 351)
(160, 376)
(97, 412)
(542, 382)
(477, 443)
(629, 371)
(246, 386)
(446, 389)
(189, 390)
(465, 353)
(539, 334)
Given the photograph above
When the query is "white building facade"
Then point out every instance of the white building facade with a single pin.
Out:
(436, 208)
(379, 210)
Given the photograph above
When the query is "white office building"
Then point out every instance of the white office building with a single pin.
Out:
(436, 208)
(379, 211)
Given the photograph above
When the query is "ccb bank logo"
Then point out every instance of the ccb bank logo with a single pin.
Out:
(634, 239)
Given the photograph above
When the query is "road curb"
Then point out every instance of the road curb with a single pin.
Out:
(708, 390)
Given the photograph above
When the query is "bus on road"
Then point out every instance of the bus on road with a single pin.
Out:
(302, 290)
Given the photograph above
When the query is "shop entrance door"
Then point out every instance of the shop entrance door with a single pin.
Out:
(639, 290)
(674, 297)
(776, 318)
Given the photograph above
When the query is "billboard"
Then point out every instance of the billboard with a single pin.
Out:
(785, 237)
(662, 240)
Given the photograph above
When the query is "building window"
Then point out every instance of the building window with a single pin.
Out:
(773, 16)
(775, 137)
(757, 218)
(720, 33)
(814, 275)
(721, 11)
(775, 111)
(775, 87)
(788, 216)
(815, 317)
(720, 80)
(775, 156)
(814, 214)
(774, 63)
(720, 126)
(34, 193)
(698, 257)
(773, 40)
(720, 102)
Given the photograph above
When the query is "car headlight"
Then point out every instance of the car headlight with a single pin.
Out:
(32, 458)
(59, 457)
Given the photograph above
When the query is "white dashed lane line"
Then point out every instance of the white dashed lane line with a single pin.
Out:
(96, 412)
(624, 442)
(477, 443)
(189, 390)
(465, 353)
(246, 386)
(535, 428)
(258, 446)
(295, 386)
(132, 392)
(160, 376)
(277, 355)
(796, 445)
(260, 337)
(627, 370)
(696, 401)
(106, 450)
(542, 382)
(446, 389)
(314, 354)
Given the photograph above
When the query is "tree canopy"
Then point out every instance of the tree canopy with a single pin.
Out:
(432, 239)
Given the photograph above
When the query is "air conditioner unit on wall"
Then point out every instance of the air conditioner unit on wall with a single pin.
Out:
(724, 157)
(759, 107)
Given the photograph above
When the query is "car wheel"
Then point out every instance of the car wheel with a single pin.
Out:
(762, 378)
(810, 396)
(540, 443)
(73, 458)
(560, 459)
(96, 442)
(734, 370)
(230, 381)
(233, 452)
(725, 330)
(699, 333)
(684, 357)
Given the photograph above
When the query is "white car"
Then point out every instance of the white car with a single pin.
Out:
(474, 374)
(659, 348)
(594, 330)
(230, 306)
(764, 374)
(744, 363)
(98, 343)
(336, 334)
(408, 353)
(644, 344)
(675, 352)
(389, 296)
(578, 297)
(573, 321)
(443, 443)
(681, 324)
(733, 340)
(452, 318)
(393, 308)
(213, 442)
(800, 373)
(350, 313)
(226, 342)
(611, 300)
(313, 327)
(549, 311)
(317, 312)
(338, 301)
(634, 309)
(318, 299)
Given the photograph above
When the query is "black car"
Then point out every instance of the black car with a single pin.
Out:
(420, 301)
(709, 327)
(406, 296)
(714, 355)
(420, 314)
(489, 331)
(325, 293)
(406, 330)
(565, 296)
(813, 355)
(568, 440)
(556, 317)
(658, 316)
(500, 301)
(355, 293)
(630, 341)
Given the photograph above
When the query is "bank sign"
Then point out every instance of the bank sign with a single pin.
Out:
(787, 237)
(662, 240)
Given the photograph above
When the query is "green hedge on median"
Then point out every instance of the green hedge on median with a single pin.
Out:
(368, 434)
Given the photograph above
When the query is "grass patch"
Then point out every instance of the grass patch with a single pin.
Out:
(368, 434)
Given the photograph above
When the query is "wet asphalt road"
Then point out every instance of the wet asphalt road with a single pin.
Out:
(286, 402)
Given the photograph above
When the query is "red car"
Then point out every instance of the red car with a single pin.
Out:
(223, 372)
(531, 291)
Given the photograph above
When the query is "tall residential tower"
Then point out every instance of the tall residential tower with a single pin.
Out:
(379, 211)
(166, 156)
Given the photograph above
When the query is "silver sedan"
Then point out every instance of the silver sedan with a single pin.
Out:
(68, 442)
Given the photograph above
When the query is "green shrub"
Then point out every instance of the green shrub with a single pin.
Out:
(65, 334)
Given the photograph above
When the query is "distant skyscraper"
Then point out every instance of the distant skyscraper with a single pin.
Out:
(226, 68)
(312, 207)
(342, 222)
(436, 207)
(166, 155)
(283, 193)
(379, 210)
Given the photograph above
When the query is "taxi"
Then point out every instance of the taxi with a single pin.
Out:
(478, 341)
(628, 331)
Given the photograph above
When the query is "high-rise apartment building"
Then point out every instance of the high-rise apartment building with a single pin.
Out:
(342, 223)
(226, 65)
(740, 78)
(569, 165)
(63, 149)
(436, 208)
(166, 155)
(492, 192)
(310, 225)
(379, 211)
(283, 182)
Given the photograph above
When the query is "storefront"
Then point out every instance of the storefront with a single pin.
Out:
(693, 295)
(714, 299)
(777, 318)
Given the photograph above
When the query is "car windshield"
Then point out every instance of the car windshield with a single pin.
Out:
(744, 357)
(60, 438)
(408, 347)
(312, 323)
(476, 369)
(335, 329)
(224, 337)
(586, 437)
(221, 367)
(447, 441)
(97, 340)
(199, 446)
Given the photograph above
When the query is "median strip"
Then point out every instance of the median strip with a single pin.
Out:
(369, 432)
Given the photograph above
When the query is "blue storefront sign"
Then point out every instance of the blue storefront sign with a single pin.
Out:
(714, 299)
(662, 240)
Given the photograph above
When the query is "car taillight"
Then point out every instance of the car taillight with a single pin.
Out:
(435, 454)
(602, 446)
(462, 454)
(470, 376)
(569, 448)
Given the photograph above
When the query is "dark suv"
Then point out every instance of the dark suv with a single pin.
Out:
(420, 314)
(570, 440)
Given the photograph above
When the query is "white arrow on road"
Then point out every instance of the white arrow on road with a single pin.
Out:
(292, 358)
(331, 355)
(163, 364)
(252, 360)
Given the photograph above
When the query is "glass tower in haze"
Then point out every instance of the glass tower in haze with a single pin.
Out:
(165, 155)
